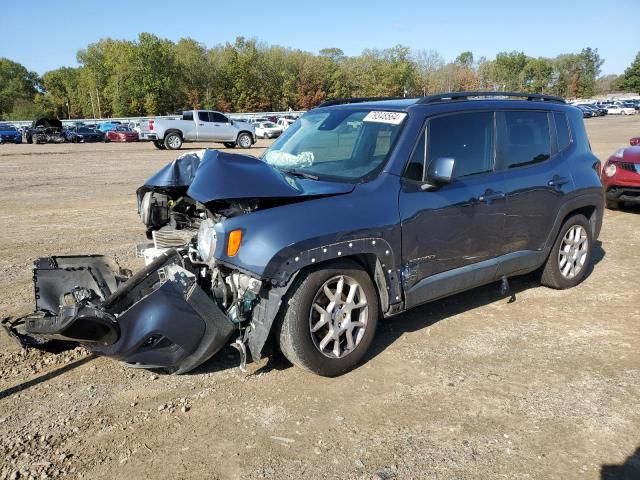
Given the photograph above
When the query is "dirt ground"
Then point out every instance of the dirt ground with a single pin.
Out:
(470, 387)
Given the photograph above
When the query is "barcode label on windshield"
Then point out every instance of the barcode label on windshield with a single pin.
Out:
(394, 118)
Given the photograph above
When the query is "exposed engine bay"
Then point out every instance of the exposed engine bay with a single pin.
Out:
(185, 304)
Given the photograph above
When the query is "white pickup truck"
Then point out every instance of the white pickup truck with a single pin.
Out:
(198, 126)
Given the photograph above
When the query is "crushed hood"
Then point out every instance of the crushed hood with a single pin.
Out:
(211, 175)
(47, 123)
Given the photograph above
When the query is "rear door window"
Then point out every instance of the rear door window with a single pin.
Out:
(204, 116)
(465, 137)
(524, 139)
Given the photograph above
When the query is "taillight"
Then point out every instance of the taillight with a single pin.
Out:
(150, 124)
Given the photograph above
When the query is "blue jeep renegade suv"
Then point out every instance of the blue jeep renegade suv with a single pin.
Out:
(362, 209)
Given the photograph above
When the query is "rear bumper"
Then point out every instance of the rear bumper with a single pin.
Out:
(159, 317)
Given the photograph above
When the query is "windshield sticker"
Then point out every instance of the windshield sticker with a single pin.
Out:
(393, 118)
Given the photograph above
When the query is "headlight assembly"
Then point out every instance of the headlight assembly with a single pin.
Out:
(207, 240)
(610, 170)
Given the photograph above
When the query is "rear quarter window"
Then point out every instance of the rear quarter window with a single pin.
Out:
(563, 134)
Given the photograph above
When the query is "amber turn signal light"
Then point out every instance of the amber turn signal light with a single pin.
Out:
(233, 244)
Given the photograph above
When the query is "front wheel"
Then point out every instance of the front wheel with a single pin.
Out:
(570, 255)
(173, 141)
(330, 319)
(244, 140)
(158, 144)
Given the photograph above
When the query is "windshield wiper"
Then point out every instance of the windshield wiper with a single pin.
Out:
(299, 173)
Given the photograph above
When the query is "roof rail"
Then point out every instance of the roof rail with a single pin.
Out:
(341, 101)
(533, 97)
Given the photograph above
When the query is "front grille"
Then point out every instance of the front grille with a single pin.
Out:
(632, 167)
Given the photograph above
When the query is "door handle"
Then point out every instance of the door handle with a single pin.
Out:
(557, 181)
(490, 196)
(201, 124)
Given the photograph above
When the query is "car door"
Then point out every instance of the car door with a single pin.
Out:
(532, 148)
(451, 234)
(205, 126)
(224, 129)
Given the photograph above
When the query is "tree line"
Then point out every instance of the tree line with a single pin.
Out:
(153, 75)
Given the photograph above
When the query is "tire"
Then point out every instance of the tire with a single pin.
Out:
(230, 144)
(569, 269)
(172, 141)
(106, 138)
(244, 140)
(298, 342)
(613, 205)
(158, 144)
(29, 139)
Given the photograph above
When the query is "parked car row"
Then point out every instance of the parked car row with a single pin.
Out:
(599, 109)
(51, 130)
(272, 126)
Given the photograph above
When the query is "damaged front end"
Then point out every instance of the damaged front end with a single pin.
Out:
(185, 304)
(159, 317)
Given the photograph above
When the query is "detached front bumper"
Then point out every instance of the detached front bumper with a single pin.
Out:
(157, 318)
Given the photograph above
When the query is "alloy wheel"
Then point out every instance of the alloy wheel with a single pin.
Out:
(573, 252)
(339, 316)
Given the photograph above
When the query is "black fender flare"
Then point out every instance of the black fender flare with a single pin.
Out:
(385, 270)
(594, 198)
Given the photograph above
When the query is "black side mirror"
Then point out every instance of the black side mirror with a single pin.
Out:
(440, 171)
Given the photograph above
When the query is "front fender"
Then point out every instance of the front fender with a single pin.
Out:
(279, 241)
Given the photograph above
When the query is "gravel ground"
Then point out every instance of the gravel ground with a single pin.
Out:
(467, 387)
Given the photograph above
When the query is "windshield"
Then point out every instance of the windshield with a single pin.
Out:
(344, 143)
(84, 130)
(5, 127)
(267, 125)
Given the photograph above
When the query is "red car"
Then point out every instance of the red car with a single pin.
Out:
(621, 177)
(121, 134)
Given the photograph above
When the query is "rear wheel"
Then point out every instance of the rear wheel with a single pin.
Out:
(330, 319)
(158, 144)
(570, 256)
(173, 141)
(244, 140)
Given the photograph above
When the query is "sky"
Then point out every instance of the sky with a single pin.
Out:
(48, 34)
